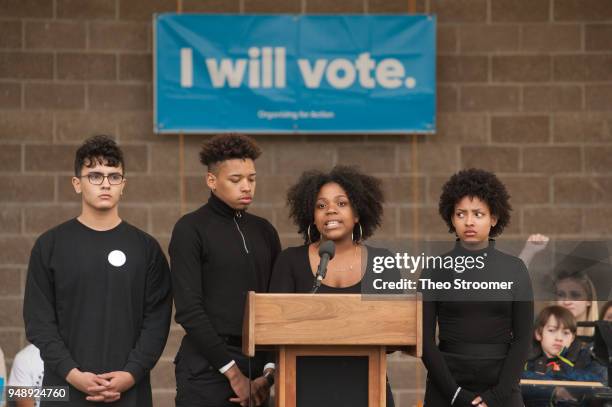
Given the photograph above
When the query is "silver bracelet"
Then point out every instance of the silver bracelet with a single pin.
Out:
(455, 396)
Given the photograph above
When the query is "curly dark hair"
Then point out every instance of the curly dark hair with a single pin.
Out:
(226, 147)
(100, 149)
(364, 192)
(476, 183)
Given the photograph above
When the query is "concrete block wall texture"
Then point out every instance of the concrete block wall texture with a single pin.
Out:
(524, 89)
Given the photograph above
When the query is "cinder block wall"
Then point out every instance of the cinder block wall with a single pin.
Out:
(525, 89)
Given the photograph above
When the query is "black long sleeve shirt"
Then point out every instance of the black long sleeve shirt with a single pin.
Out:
(217, 255)
(99, 301)
(479, 318)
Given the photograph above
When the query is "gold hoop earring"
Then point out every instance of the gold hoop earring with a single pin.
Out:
(360, 234)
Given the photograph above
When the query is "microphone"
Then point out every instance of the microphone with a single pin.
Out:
(326, 253)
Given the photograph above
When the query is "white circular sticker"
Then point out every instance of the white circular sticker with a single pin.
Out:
(116, 258)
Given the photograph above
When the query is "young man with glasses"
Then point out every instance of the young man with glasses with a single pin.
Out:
(98, 293)
(218, 253)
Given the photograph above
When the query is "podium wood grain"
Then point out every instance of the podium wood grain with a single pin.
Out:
(331, 325)
(332, 319)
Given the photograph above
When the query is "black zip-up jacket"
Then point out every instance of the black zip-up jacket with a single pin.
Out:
(217, 255)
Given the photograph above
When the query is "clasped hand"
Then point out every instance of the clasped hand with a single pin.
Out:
(258, 389)
(479, 402)
(106, 387)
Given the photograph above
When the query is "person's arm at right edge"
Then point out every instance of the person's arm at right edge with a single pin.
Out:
(186, 248)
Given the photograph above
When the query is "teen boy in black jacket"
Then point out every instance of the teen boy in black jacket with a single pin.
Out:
(218, 253)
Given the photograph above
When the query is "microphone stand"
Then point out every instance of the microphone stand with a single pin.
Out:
(326, 252)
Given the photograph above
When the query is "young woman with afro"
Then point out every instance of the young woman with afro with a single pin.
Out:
(484, 336)
(344, 206)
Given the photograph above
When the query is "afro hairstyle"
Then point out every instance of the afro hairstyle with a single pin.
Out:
(363, 191)
(481, 184)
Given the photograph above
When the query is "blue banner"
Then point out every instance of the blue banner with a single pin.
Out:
(295, 73)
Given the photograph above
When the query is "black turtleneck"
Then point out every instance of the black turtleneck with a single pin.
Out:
(217, 255)
(479, 318)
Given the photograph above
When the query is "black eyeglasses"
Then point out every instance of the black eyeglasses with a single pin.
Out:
(96, 178)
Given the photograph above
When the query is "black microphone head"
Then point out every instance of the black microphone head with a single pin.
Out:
(327, 247)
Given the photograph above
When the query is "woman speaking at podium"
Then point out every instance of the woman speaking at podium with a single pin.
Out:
(345, 207)
(484, 336)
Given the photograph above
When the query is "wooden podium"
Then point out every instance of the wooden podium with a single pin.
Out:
(298, 325)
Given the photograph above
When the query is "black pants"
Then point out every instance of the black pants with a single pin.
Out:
(475, 375)
(198, 384)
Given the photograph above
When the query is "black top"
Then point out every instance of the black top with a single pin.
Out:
(469, 318)
(293, 274)
(99, 301)
(217, 255)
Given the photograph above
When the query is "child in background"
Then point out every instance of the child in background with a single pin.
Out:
(559, 356)
(27, 371)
